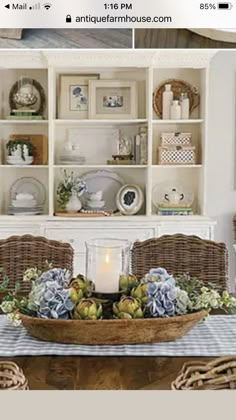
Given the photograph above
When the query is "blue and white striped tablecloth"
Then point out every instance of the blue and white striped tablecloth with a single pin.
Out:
(214, 337)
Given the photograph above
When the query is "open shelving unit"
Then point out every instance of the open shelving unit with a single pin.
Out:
(148, 73)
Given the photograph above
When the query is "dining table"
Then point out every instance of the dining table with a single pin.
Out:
(51, 366)
(101, 373)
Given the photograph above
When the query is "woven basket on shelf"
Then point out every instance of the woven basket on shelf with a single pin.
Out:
(218, 374)
(12, 377)
(177, 87)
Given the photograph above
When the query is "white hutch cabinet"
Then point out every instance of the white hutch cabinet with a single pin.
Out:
(148, 69)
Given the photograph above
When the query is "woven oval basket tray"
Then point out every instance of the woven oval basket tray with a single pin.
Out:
(112, 331)
(177, 86)
(12, 377)
(220, 373)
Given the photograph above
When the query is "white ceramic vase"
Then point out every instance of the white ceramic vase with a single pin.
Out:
(167, 99)
(175, 111)
(74, 204)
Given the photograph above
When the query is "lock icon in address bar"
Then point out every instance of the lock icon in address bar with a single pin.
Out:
(68, 19)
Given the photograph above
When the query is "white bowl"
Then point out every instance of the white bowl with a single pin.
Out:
(95, 196)
(12, 160)
(96, 204)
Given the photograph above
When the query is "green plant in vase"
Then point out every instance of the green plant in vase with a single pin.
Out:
(68, 192)
(20, 148)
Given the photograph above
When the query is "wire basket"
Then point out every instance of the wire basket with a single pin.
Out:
(217, 374)
(12, 377)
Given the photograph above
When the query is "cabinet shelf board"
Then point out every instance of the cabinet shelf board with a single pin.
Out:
(100, 122)
(167, 122)
(144, 218)
(102, 166)
(177, 166)
(24, 166)
(24, 122)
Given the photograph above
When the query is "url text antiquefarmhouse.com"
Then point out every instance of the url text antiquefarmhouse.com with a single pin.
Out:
(123, 19)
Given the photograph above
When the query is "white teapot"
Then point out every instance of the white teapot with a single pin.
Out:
(174, 197)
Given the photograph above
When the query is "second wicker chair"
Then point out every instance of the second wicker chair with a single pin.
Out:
(18, 253)
(180, 254)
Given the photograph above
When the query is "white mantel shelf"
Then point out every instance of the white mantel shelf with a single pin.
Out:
(125, 219)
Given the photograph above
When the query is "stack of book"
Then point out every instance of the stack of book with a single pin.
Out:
(121, 160)
(19, 114)
(174, 211)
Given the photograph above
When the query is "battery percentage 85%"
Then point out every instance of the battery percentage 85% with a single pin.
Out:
(208, 6)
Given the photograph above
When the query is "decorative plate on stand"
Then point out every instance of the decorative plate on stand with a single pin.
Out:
(31, 186)
(129, 199)
(107, 182)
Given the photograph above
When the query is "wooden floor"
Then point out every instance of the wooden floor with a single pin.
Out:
(71, 38)
(101, 373)
(175, 38)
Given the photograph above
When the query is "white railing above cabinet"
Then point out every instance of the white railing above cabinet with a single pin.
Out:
(136, 58)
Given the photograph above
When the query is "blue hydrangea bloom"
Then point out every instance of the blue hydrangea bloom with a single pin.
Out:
(164, 298)
(161, 299)
(158, 274)
(49, 295)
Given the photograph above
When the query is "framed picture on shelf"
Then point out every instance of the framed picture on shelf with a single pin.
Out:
(74, 95)
(113, 99)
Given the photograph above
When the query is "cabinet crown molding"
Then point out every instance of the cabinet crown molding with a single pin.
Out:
(125, 58)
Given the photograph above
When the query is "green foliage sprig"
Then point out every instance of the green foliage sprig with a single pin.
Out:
(12, 146)
(70, 184)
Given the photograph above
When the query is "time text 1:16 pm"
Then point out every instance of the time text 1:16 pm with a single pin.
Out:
(116, 6)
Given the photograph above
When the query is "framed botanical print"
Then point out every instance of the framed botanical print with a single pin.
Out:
(74, 96)
(113, 99)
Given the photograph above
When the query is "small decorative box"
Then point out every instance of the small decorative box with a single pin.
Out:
(177, 155)
(174, 139)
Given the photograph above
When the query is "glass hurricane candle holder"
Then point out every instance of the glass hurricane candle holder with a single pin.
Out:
(106, 261)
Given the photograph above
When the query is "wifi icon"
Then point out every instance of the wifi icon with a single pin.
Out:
(47, 6)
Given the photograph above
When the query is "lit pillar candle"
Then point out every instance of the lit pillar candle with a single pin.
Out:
(108, 272)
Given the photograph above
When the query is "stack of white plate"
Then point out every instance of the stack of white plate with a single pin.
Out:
(25, 205)
(16, 160)
(71, 157)
(95, 204)
(25, 211)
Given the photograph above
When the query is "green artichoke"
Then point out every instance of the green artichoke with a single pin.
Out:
(128, 307)
(82, 286)
(87, 309)
(140, 292)
(128, 282)
(74, 295)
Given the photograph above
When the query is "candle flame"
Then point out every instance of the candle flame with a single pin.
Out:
(107, 259)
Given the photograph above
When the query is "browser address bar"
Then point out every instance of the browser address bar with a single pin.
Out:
(118, 14)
